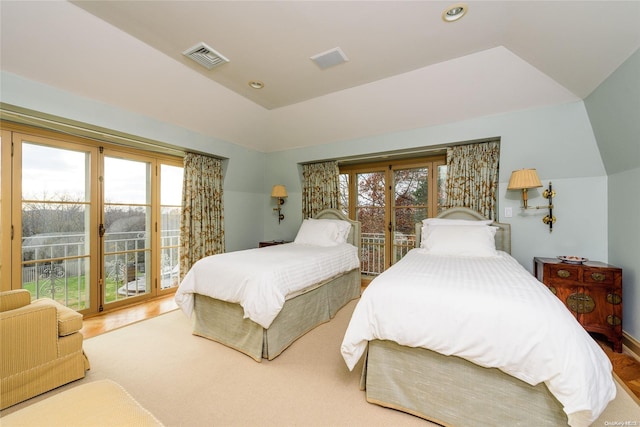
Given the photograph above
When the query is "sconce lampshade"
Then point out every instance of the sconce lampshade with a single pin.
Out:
(279, 191)
(523, 179)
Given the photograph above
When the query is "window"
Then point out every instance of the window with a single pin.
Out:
(170, 213)
(389, 199)
(95, 226)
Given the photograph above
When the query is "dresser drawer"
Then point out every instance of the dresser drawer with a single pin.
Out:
(598, 276)
(564, 273)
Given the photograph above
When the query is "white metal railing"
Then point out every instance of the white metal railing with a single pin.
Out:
(403, 243)
(372, 252)
(55, 264)
(47, 267)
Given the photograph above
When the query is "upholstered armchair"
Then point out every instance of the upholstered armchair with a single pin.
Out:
(40, 346)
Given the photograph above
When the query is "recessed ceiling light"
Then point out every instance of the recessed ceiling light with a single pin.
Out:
(256, 84)
(455, 12)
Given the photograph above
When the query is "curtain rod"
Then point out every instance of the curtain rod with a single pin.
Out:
(73, 128)
(392, 155)
(400, 154)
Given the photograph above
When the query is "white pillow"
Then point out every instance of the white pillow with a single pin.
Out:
(428, 223)
(462, 241)
(344, 227)
(320, 232)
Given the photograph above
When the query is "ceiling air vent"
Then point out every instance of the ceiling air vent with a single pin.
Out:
(205, 56)
(330, 58)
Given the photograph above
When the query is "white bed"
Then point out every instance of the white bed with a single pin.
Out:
(475, 339)
(259, 301)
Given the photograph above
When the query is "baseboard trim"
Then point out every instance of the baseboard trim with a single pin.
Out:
(626, 388)
(632, 345)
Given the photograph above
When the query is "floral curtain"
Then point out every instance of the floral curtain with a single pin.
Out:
(321, 188)
(472, 177)
(202, 221)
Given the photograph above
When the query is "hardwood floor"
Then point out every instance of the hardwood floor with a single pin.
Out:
(626, 368)
(96, 325)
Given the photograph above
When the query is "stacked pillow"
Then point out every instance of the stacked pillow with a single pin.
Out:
(323, 232)
(459, 237)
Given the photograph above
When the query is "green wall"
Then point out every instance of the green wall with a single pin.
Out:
(614, 111)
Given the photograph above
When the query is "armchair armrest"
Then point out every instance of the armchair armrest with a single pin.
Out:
(69, 320)
(10, 300)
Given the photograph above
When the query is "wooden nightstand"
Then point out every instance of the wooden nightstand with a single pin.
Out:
(271, 243)
(592, 291)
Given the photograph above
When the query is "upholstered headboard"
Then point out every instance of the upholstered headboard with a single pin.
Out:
(354, 234)
(503, 234)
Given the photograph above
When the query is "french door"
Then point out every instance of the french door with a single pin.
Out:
(94, 226)
(125, 226)
(389, 199)
(53, 199)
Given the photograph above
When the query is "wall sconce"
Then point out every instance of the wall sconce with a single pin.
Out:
(279, 192)
(524, 179)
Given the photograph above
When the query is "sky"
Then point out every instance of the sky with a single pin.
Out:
(57, 174)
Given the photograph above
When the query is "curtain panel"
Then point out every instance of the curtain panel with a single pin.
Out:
(321, 188)
(472, 177)
(202, 220)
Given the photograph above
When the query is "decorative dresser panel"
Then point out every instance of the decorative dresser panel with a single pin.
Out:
(592, 291)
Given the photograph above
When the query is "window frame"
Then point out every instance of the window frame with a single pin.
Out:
(10, 207)
(389, 167)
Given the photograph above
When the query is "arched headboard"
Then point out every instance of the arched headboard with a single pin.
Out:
(503, 234)
(354, 233)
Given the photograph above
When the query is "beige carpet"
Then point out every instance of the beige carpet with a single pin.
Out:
(189, 381)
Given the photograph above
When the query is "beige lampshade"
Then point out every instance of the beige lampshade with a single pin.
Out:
(523, 179)
(279, 191)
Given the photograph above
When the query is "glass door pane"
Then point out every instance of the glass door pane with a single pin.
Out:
(127, 237)
(170, 212)
(442, 187)
(389, 199)
(344, 193)
(55, 224)
(410, 201)
(370, 211)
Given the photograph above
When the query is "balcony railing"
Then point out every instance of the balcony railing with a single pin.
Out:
(55, 265)
(372, 252)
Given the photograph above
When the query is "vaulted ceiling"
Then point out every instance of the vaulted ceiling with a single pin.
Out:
(406, 67)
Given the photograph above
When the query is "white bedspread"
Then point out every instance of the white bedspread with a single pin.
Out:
(260, 280)
(490, 311)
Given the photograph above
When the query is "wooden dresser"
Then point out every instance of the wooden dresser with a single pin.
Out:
(592, 291)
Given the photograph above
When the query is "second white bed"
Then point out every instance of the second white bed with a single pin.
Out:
(492, 312)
